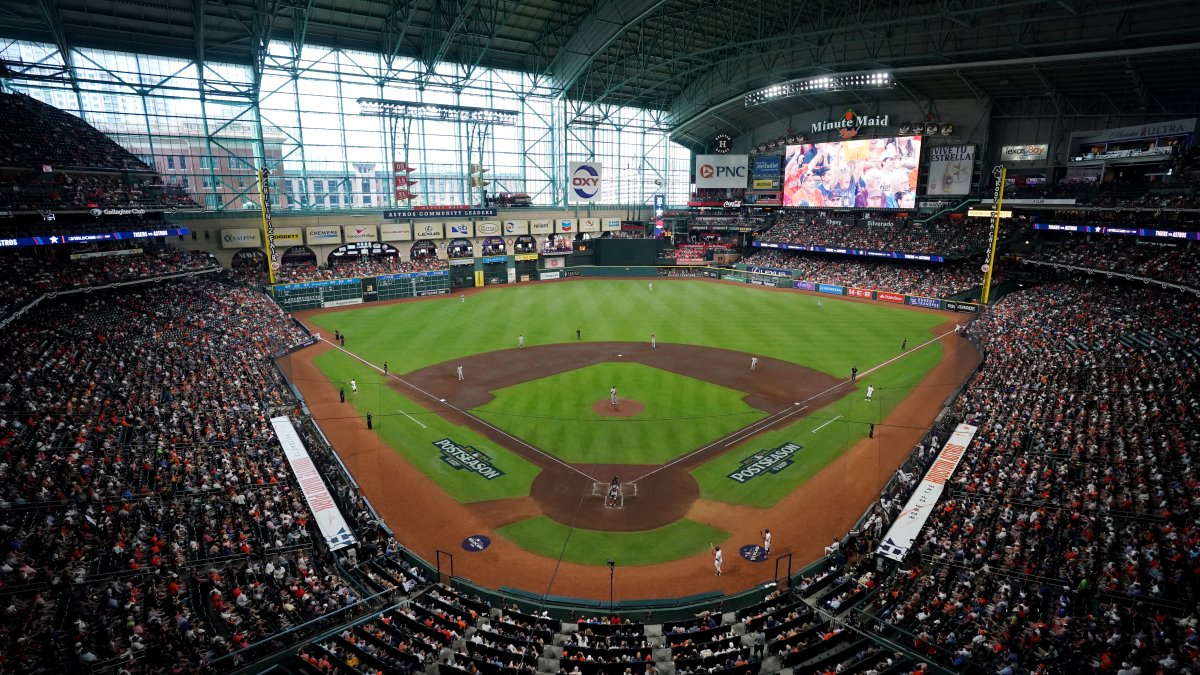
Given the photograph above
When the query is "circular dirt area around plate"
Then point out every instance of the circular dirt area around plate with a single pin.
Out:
(627, 407)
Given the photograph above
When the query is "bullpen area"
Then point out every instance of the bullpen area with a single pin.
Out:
(497, 437)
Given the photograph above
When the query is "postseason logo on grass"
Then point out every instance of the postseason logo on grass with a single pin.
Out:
(466, 457)
(765, 461)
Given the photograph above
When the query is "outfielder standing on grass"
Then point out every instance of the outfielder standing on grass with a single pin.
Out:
(718, 559)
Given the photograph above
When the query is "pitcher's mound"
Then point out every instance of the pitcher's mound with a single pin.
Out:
(626, 408)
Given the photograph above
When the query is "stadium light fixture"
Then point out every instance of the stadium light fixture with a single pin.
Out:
(817, 85)
(378, 107)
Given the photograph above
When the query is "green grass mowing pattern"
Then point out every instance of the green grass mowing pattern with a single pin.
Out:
(893, 383)
(747, 318)
(681, 414)
(680, 539)
(408, 438)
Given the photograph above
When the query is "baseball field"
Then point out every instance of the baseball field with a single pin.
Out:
(522, 452)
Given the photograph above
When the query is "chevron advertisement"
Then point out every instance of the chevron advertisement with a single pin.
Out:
(722, 171)
(584, 183)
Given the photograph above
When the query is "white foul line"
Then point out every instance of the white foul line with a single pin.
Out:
(412, 418)
(752, 429)
(827, 424)
(788, 413)
(463, 412)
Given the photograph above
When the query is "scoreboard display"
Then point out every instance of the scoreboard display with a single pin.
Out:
(413, 285)
(317, 294)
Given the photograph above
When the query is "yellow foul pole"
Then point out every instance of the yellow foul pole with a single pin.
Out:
(264, 198)
(999, 173)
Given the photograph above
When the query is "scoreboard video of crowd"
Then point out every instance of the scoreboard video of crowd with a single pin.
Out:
(338, 292)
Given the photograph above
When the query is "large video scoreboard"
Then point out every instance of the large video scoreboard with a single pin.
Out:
(337, 292)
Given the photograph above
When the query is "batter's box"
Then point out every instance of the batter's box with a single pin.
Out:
(614, 496)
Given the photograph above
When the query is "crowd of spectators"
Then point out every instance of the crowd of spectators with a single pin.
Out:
(147, 516)
(943, 280)
(59, 191)
(341, 269)
(1067, 539)
(36, 134)
(27, 275)
(943, 236)
(1159, 261)
(695, 253)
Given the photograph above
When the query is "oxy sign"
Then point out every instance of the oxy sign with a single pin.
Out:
(585, 182)
(722, 171)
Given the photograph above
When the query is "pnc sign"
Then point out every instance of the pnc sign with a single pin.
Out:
(722, 171)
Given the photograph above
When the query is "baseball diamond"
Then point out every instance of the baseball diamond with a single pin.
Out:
(518, 410)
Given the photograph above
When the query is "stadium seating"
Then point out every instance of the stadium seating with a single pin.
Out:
(34, 134)
(1162, 262)
(935, 280)
(943, 236)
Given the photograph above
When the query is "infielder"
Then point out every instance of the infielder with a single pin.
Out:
(459, 371)
(870, 391)
(463, 298)
(653, 342)
(651, 286)
(753, 363)
(718, 559)
(353, 386)
(520, 342)
(820, 303)
(766, 535)
(612, 396)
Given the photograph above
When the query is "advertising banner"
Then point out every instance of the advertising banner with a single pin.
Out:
(897, 298)
(288, 236)
(516, 227)
(585, 182)
(951, 168)
(908, 524)
(721, 171)
(823, 175)
(487, 228)
(764, 183)
(918, 301)
(325, 512)
(565, 226)
(611, 225)
(1024, 153)
(968, 307)
(440, 212)
(525, 257)
(805, 285)
(589, 225)
(395, 232)
(321, 236)
(859, 293)
(555, 262)
(541, 226)
(830, 288)
(460, 229)
(241, 237)
(549, 275)
(428, 231)
(767, 166)
(353, 233)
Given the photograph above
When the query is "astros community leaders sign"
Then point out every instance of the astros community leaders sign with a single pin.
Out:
(466, 457)
(765, 461)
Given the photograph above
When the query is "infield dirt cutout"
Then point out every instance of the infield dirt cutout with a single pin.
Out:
(427, 520)
(625, 407)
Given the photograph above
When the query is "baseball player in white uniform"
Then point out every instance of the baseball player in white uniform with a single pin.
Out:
(820, 303)
(870, 391)
(651, 286)
(753, 363)
(766, 535)
(462, 298)
(612, 396)
(718, 559)
(460, 374)
(520, 342)
(353, 386)
(653, 342)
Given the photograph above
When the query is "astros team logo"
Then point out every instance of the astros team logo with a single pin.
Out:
(586, 181)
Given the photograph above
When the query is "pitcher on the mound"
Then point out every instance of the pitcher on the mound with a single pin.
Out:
(612, 396)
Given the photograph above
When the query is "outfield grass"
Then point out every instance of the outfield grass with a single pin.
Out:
(783, 325)
(546, 537)
(405, 435)
(681, 414)
(824, 434)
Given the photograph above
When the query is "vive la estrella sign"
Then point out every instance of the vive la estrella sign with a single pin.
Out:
(765, 461)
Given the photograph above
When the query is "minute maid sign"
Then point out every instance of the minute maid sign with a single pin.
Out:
(765, 461)
(848, 126)
(466, 457)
